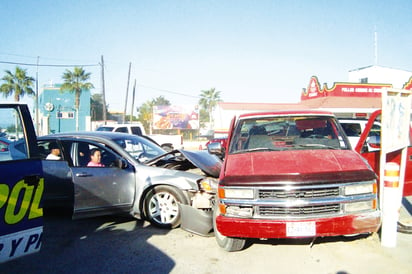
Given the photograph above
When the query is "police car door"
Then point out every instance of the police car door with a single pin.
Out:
(21, 184)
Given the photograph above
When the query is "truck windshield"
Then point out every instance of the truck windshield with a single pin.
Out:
(287, 133)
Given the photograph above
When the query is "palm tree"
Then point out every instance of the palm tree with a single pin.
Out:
(18, 84)
(208, 101)
(75, 81)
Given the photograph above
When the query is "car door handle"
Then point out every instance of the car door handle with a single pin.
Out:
(83, 174)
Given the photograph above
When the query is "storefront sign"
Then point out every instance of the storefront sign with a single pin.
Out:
(342, 89)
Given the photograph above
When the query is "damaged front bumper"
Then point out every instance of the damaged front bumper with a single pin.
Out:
(198, 217)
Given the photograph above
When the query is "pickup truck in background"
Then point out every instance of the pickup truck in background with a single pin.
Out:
(292, 174)
(21, 184)
(354, 128)
(167, 142)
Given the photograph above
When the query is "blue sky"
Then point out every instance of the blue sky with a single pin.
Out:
(251, 51)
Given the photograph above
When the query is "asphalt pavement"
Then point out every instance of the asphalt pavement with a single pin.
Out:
(123, 245)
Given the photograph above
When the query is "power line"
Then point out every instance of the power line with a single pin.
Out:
(47, 65)
(169, 91)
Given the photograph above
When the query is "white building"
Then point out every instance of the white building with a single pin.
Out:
(378, 74)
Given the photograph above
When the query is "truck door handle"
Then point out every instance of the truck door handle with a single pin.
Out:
(83, 174)
(32, 180)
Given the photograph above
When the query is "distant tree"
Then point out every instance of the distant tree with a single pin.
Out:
(208, 101)
(75, 81)
(203, 117)
(160, 101)
(17, 84)
(146, 115)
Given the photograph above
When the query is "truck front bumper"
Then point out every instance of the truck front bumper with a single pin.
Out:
(322, 227)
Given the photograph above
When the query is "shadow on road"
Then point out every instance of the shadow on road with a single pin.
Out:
(307, 241)
(109, 244)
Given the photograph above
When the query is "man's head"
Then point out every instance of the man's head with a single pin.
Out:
(54, 148)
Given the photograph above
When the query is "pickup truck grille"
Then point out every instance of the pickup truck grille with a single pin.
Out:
(268, 211)
(298, 193)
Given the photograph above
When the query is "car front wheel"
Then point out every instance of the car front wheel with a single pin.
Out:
(227, 243)
(161, 206)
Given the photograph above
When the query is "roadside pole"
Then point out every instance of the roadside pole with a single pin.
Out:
(396, 110)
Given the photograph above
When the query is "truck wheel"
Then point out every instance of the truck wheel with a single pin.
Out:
(161, 206)
(227, 243)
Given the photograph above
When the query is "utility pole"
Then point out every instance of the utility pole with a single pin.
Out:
(127, 93)
(134, 92)
(37, 97)
(103, 92)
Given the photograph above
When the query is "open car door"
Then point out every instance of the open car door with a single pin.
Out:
(21, 185)
(101, 190)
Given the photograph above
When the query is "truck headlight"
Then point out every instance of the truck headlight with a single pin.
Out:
(236, 193)
(245, 212)
(360, 189)
(359, 206)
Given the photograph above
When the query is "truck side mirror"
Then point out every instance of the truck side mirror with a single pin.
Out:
(374, 142)
(215, 148)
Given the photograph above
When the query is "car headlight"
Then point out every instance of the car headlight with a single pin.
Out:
(357, 189)
(236, 193)
(209, 185)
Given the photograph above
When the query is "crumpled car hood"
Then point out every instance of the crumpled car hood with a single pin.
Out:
(184, 160)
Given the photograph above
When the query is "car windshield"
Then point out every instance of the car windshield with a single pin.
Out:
(139, 148)
(287, 133)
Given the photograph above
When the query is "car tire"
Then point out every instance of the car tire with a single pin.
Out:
(227, 243)
(161, 206)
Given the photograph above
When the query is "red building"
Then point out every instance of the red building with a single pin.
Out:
(345, 99)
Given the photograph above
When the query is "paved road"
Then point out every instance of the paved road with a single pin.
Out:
(123, 245)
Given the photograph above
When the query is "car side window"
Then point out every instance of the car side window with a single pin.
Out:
(136, 131)
(84, 154)
(351, 129)
(121, 129)
(12, 137)
(50, 150)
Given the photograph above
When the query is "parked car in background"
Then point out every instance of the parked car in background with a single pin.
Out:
(4, 144)
(166, 141)
(138, 177)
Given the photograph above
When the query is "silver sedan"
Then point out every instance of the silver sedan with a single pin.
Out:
(135, 176)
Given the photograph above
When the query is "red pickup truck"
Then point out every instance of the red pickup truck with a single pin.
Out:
(292, 175)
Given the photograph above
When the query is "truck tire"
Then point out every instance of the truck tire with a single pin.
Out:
(227, 243)
(161, 206)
